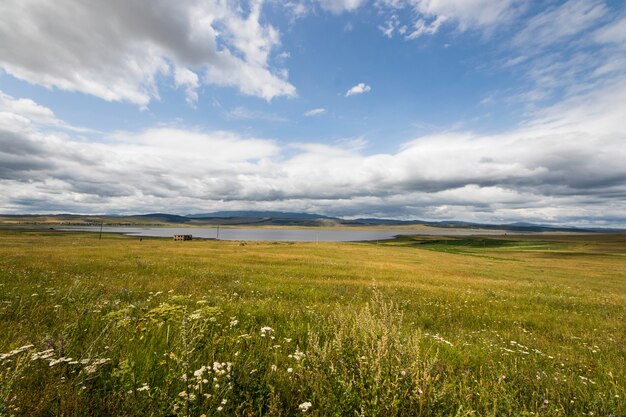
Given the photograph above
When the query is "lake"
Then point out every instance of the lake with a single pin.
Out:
(284, 235)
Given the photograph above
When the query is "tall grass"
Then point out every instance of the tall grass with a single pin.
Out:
(121, 328)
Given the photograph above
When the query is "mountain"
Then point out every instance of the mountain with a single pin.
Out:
(160, 217)
(273, 218)
(257, 214)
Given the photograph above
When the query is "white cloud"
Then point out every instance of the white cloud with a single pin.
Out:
(117, 49)
(560, 23)
(469, 13)
(422, 27)
(613, 33)
(565, 50)
(565, 166)
(188, 79)
(429, 15)
(360, 88)
(34, 112)
(339, 6)
(315, 112)
(244, 113)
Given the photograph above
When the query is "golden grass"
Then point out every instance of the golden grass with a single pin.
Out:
(526, 325)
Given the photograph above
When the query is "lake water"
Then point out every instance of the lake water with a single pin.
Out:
(284, 235)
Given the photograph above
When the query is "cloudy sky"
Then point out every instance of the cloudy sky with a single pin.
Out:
(477, 110)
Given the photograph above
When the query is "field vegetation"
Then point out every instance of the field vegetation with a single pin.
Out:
(417, 326)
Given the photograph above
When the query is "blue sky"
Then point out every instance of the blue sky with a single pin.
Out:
(478, 110)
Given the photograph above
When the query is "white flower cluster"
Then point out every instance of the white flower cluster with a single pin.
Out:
(14, 352)
(297, 355)
(304, 407)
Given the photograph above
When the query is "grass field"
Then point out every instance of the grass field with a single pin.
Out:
(416, 326)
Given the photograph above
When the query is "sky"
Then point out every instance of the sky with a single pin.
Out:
(490, 111)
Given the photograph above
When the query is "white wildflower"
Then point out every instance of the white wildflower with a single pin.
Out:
(297, 355)
(304, 407)
(14, 352)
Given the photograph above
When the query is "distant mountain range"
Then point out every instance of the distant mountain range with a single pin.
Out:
(270, 218)
(258, 214)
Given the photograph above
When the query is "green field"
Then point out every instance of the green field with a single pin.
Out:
(500, 326)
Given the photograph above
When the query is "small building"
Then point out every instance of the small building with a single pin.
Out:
(182, 237)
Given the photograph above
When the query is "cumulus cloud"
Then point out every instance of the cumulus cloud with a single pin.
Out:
(360, 88)
(117, 49)
(565, 166)
(34, 112)
(315, 112)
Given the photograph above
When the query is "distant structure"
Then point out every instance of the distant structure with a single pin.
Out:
(182, 237)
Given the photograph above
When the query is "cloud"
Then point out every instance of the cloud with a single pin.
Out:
(560, 23)
(315, 112)
(243, 113)
(422, 27)
(360, 88)
(340, 6)
(117, 50)
(564, 166)
(188, 79)
(429, 15)
(613, 33)
(565, 50)
(34, 112)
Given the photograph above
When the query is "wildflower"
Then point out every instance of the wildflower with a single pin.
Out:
(144, 387)
(199, 372)
(297, 355)
(44, 354)
(14, 352)
(266, 330)
(289, 370)
(59, 360)
(304, 407)
(274, 367)
(220, 408)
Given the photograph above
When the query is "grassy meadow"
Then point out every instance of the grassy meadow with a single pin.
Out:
(418, 326)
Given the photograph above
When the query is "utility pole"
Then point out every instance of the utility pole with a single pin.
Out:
(217, 236)
(101, 224)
